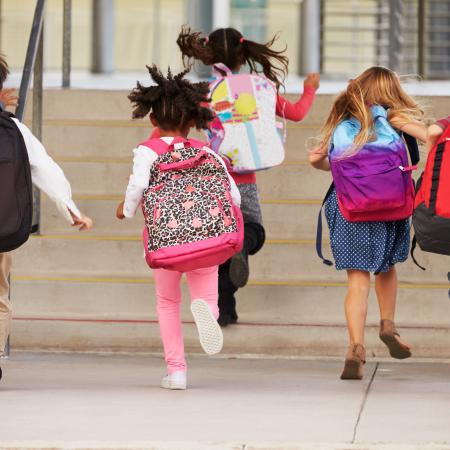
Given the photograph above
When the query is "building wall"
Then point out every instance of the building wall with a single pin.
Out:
(140, 37)
(146, 31)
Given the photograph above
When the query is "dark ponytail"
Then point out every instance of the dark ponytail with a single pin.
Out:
(228, 46)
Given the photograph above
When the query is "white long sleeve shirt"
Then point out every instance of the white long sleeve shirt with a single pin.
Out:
(143, 160)
(47, 175)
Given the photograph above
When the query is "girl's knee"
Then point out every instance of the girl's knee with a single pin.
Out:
(167, 301)
(359, 281)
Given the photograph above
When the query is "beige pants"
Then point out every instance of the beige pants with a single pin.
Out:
(5, 305)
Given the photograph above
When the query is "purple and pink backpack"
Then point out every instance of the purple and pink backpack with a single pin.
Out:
(191, 221)
(373, 183)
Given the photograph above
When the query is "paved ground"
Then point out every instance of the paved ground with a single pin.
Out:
(107, 401)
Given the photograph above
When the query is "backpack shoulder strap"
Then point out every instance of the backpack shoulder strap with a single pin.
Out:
(220, 70)
(157, 145)
(320, 228)
(197, 143)
(413, 148)
(413, 249)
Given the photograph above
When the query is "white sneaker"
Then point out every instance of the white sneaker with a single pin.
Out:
(209, 331)
(175, 380)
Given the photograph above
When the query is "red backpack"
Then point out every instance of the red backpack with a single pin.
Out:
(431, 218)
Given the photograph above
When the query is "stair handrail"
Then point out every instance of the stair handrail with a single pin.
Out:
(30, 58)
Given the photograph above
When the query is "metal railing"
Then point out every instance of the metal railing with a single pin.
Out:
(34, 69)
(409, 36)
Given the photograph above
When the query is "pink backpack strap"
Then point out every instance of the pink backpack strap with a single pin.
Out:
(160, 147)
(157, 145)
(219, 69)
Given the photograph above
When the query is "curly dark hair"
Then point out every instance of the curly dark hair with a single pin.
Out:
(228, 46)
(174, 101)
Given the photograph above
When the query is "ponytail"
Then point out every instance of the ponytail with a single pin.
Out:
(193, 45)
(228, 46)
(264, 55)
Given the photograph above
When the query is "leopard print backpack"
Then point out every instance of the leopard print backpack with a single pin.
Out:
(191, 221)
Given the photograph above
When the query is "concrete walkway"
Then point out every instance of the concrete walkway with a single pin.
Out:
(113, 401)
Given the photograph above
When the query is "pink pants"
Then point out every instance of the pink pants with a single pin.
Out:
(202, 285)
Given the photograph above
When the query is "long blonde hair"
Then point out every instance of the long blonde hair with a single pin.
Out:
(375, 86)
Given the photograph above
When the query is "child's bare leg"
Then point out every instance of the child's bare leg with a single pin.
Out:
(356, 304)
(386, 286)
(386, 290)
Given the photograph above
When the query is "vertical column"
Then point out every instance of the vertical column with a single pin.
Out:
(221, 14)
(102, 36)
(421, 12)
(156, 44)
(200, 17)
(250, 18)
(310, 36)
(67, 42)
(395, 33)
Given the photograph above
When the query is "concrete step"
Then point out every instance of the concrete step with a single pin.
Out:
(287, 182)
(276, 340)
(282, 304)
(91, 104)
(105, 141)
(91, 140)
(115, 256)
(281, 220)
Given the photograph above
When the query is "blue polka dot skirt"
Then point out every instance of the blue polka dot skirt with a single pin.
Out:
(368, 246)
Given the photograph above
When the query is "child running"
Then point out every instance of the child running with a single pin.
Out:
(365, 118)
(175, 106)
(45, 174)
(228, 47)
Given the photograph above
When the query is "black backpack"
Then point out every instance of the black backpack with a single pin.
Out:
(16, 194)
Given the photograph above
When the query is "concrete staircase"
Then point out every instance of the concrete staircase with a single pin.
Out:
(78, 291)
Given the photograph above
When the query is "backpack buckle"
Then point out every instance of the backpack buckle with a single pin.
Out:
(408, 168)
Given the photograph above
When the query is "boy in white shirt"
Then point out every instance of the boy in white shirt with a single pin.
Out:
(48, 177)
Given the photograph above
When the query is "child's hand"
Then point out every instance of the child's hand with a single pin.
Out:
(84, 222)
(9, 97)
(313, 80)
(318, 158)
(433, 133)
(119, 211)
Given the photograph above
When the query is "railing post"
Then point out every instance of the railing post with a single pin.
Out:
(421, 35)
(38, 74)
(395, 33)
(67, 43)
(33, 62)
(38, 78)
(30, 57)
(1, 21)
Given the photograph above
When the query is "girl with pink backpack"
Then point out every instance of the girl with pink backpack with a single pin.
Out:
(190, 205)
(245, 129)
(371, 200)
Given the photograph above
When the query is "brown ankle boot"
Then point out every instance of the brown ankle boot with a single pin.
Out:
(390, 336)
(354, 361)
